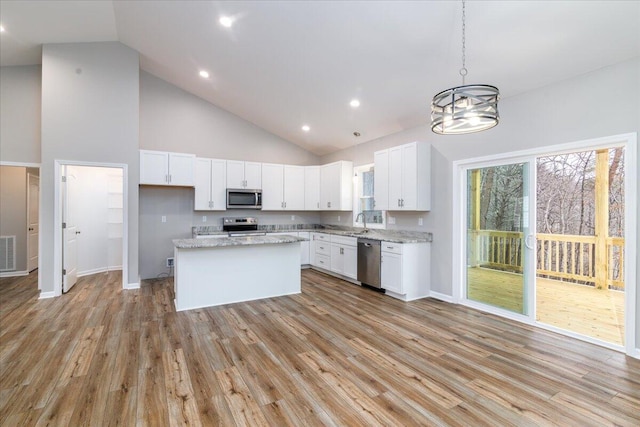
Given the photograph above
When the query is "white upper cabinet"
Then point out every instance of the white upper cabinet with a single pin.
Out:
(336, 186)
(244, 174)
(210, 184)
(381, 180)
(282, 187)
(162, 168)
(408, 177)
(253, 175)
(311, 188)
(294, 188)
(272, 187)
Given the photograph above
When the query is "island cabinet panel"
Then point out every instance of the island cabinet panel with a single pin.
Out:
(210, 276)
(168, 169)
(210, 184)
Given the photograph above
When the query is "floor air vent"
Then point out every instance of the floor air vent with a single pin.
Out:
(7, 253)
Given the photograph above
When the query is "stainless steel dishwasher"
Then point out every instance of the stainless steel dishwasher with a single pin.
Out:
(369, 262)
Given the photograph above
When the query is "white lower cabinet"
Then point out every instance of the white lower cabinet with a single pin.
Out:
(344, 256)
(405, 270)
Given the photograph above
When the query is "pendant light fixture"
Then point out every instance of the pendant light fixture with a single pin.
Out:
(466, 108)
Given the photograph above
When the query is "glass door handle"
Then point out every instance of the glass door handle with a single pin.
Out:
(527, 242)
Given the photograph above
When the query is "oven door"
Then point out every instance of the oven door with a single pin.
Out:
(244, 199)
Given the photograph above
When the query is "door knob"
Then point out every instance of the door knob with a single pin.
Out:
(77, 232)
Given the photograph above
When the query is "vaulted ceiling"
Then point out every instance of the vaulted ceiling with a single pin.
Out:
(283, 64)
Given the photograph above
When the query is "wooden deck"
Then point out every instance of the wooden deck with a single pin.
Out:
(582, 309)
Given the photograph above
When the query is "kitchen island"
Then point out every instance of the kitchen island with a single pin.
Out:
(216, 271)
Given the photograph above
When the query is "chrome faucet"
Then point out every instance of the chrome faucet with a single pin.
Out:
(364, 221)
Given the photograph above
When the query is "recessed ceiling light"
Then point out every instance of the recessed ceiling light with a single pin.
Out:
(354, 103)
(204, 74)
(226, 21)
(306, 128)
(1, 29)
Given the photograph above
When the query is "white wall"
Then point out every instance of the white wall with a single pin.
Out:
(597, 104)
(174, 120)
(92, 213)
(20, 114)
(90, 113)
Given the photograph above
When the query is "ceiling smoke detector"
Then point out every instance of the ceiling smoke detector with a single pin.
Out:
(356, 134)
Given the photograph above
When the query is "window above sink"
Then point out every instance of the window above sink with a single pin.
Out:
(363, 199)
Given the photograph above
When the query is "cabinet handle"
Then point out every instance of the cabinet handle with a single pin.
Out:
(166, 178)
(389, 247)
(399, 203)
(402, 200)
(341, 251)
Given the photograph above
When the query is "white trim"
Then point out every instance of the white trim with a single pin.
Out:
(356, 200)
(21, 164)
(631, 243)
(441, 297)
(14, 273)
(98, 270)
(580, 337)
(629, 142)
(636, 353)
(57, 220)
(45, 295)
(130, 286)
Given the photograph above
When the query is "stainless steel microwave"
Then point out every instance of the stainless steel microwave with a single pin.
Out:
(242, 198)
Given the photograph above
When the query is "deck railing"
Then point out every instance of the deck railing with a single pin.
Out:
(560, 256)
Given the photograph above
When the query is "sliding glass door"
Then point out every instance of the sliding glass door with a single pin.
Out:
(498, 240)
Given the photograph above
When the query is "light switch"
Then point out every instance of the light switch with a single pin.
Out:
(420, 221)
(204, 218)
(293, 217)
(338, 218)
(392, 220)
(164, 218)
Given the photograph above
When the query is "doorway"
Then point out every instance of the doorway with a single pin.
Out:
(538, 251)
(91, 207)
(19, 212)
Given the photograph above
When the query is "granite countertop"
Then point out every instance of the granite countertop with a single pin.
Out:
(234, 241)
(394, 236)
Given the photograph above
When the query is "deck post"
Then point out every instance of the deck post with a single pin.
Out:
(476, 183)
(602, 218)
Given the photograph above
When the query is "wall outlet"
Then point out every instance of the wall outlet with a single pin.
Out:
(338, 218)
(420, 221)
(170, 262)
(163, 218)
(293, 217)
(204, 218)
(392, 220)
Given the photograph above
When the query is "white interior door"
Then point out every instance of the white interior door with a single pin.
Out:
(32, 220)
(70, 232)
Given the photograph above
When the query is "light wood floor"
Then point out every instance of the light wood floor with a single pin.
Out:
(598, 313)
(337, 354)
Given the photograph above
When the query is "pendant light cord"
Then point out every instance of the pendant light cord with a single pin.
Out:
(463, 70)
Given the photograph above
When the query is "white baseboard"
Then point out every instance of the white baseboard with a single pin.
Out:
(441, 297)
(45, 295)
(132, 285)
(14, 273)
(98, 270)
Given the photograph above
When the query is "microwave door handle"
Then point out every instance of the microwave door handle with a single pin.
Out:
(256, 197)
